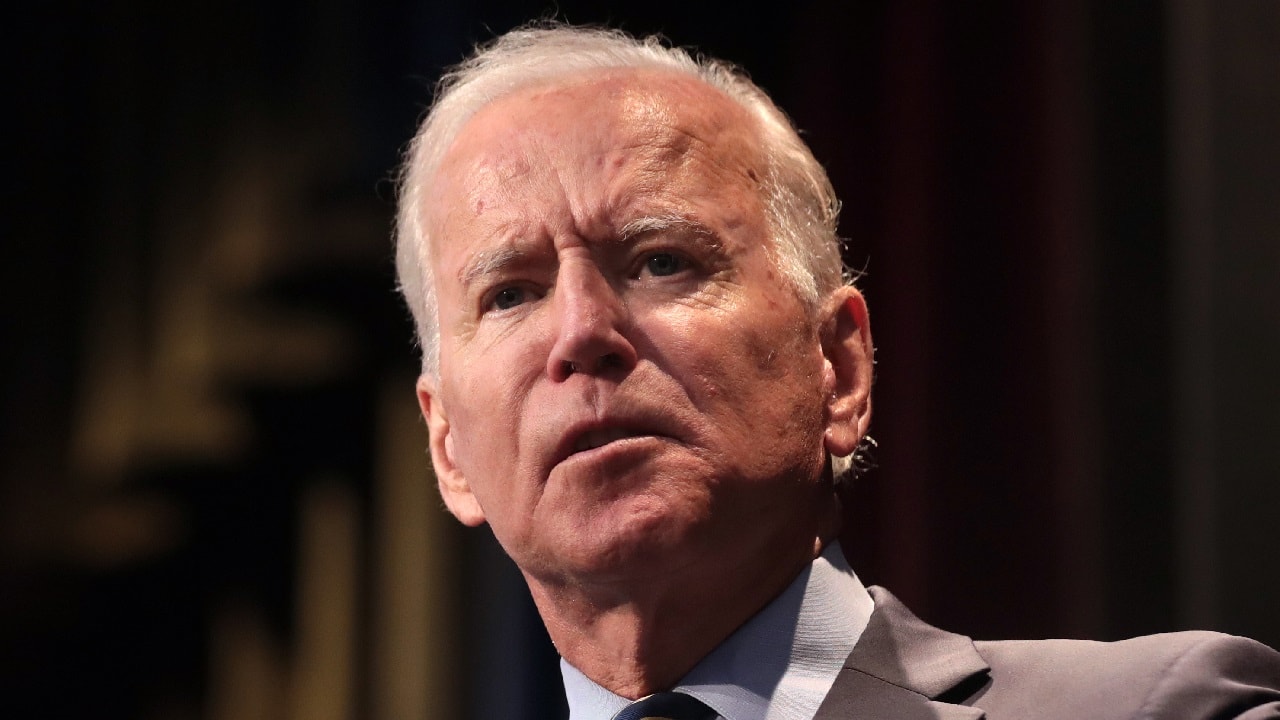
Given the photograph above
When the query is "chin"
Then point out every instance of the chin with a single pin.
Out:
(634, 539)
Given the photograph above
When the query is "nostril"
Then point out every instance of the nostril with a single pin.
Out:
(607, 361)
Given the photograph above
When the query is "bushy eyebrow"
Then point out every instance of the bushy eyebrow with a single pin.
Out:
(496, 260)
(664, 223)
(683, 228)
(486, 262)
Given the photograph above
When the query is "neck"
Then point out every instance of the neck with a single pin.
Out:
(637, 638)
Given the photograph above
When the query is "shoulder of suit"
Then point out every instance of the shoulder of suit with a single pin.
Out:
(1183, 674)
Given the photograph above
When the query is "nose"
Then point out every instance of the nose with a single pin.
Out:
(591, 333)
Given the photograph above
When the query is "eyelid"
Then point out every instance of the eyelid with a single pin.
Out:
(491, 270)
(696, 250)
(642, 258)
(488, 298)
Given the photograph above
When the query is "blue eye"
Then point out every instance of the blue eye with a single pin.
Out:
(508, 298)
(663, 264)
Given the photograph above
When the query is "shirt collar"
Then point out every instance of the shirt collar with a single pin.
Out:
(779, 665)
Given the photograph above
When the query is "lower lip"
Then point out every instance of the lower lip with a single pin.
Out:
(608, 451)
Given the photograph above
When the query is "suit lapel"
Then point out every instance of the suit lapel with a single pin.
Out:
(863, 697)
(902, 669)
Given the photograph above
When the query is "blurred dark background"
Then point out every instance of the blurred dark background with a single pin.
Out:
(216, 501)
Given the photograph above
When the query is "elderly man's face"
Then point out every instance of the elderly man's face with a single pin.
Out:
(625, 378)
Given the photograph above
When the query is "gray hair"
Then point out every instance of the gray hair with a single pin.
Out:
(800, 204)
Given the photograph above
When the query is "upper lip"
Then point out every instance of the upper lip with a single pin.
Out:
(594, 433)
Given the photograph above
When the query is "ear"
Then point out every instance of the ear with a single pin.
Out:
(849, 354)
(454, 488)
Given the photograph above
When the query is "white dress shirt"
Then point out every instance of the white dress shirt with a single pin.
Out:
(778, 666)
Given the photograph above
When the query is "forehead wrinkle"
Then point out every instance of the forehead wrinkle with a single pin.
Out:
(686, 126)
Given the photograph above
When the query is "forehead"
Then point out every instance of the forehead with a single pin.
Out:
(645, 102)
(647, 120)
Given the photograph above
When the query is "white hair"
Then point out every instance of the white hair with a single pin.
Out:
(800, 204)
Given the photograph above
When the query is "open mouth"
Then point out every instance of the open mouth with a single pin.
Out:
(592, 436)
(627, 426)
(596, 438)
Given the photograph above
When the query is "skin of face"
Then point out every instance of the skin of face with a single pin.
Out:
(628, 390)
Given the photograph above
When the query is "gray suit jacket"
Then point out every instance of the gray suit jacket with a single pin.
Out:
(904, 669)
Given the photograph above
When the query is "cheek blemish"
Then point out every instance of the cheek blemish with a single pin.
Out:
(478, 208)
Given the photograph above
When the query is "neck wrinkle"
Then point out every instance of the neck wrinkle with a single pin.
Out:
(635, 643)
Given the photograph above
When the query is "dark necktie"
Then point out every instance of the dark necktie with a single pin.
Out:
(667, 706)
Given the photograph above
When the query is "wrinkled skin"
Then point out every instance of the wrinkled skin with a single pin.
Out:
(629, 393)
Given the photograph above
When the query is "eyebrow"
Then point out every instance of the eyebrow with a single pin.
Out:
(663, 223)
(487, 262)
(496, 260)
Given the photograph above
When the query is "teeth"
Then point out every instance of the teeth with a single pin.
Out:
(596, 438)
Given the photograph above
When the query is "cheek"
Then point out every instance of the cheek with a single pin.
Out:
(778, 375)
(493, 372)
(757, 371)
(480, 424)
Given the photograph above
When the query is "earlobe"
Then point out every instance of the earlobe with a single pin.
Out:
(454, 488)
(846, 345)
